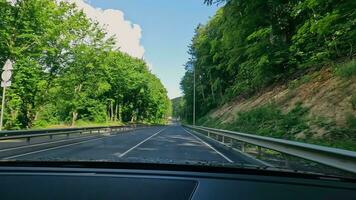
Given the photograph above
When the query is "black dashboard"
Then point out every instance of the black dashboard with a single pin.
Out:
(79, 181)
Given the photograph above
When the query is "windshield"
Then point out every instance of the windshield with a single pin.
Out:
(265, 85)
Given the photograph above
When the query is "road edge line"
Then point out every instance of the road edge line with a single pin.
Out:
(202, 141)
(46, 143)
(57, 147)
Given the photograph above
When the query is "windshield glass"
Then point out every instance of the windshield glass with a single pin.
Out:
(266, 85)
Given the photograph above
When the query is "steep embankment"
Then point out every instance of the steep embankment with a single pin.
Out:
(247, 55)
(319, 107)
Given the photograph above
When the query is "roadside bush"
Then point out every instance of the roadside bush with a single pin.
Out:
(270, 121)
(351, 122)
(353, 101)
(347, 69)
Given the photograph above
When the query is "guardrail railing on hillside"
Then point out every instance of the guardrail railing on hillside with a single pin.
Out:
(29, 134)
(333, 157)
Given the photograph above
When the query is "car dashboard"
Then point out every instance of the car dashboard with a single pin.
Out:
(149, 181)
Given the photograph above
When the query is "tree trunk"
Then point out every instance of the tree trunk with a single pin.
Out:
(220, 91)
(111, 111)
(115, 115)
(202, 92)
(36, 115)
(74, 118)
(120, 113)
(212, 88)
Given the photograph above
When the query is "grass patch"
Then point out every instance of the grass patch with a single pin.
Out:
(353, 101)
(270, 121)
(208, 121)
(351, 121)
(79, 123)
(302, 80)
(346, 70)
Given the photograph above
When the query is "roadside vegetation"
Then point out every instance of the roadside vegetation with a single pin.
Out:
(283, 69)
(297, 124)
(67, 71)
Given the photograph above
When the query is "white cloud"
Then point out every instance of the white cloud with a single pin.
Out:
(127, 35)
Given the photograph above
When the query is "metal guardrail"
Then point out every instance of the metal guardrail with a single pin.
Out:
(333, 157)
(29, 134)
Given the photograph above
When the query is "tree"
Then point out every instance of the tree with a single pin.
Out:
(67, 70)
(249, 45)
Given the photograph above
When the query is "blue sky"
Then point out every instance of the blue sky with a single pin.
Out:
(167, 29)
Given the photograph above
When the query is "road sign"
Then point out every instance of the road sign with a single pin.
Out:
(8, 65)
(6, 84)
(5, 76)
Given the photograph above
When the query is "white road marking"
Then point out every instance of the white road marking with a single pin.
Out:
(53, 148)
(126, 152)
(218, 152)
(40, 144)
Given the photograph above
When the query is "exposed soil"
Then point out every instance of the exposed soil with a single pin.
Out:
(326, 95)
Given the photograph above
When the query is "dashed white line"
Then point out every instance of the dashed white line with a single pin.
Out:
(132, 148)
(202, 141)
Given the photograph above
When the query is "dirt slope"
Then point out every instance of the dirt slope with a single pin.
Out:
(328, 97)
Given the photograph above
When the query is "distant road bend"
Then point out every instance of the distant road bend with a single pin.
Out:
(153, 144)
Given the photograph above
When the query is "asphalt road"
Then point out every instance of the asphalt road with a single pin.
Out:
(165, 144)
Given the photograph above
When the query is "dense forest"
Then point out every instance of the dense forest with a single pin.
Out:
(67, 70)
(250, 45)
(177, 107)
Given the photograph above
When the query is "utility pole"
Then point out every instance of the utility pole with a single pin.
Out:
(194, 98)
(5, 76)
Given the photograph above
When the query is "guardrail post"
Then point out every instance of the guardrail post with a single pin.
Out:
(51, 137)
(286, 160)
(28, 139)
(243, 147)
(229, 143)
(67, 135)
(259, 152)
(223, 139)
(208, 134)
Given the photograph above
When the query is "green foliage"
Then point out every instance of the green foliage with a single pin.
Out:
(302, 80)
(249, 45)
(177, 107)
(269, 120)
(66, 70)
(353, 101)
(351, 121)
(347, 69)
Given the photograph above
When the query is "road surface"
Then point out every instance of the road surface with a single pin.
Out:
(164, 144)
